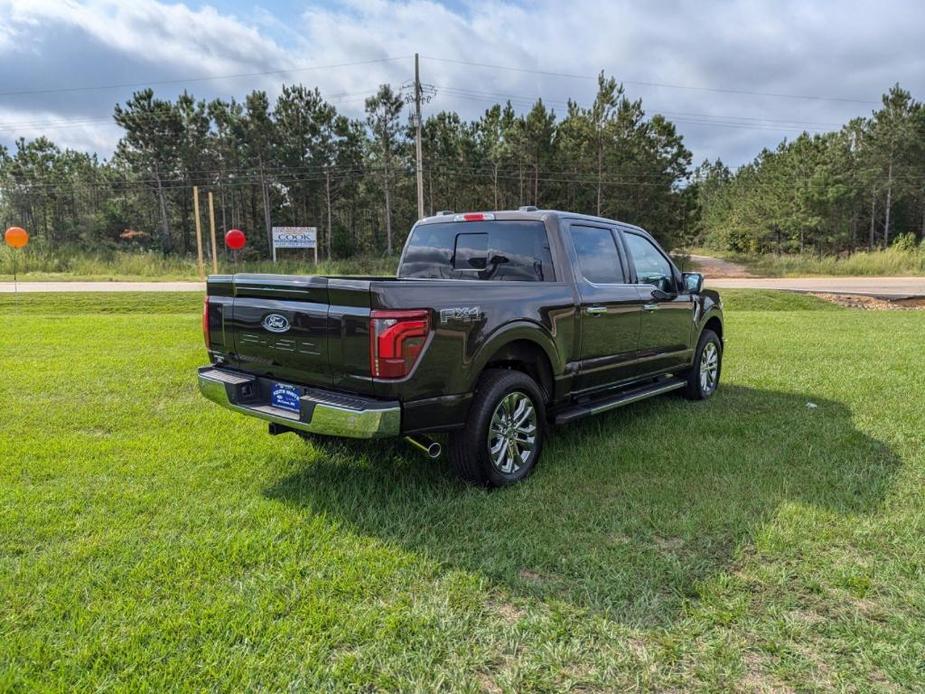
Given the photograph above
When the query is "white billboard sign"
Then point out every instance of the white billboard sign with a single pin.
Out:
(295, 237)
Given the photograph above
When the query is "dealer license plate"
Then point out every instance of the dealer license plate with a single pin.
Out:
(285, 397)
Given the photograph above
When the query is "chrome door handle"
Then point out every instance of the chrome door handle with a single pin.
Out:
(650, 307)
(596, 310)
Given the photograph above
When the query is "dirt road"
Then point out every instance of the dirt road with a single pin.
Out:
(886, 287)
(717, 267)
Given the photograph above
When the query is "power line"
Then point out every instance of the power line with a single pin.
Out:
(746, 92)
(58, 124)
(126, 85)
(500, 95)
(638, 179)
(702, 119)
(511, 68)
(340, 97)
(695, 119)
(486, 97)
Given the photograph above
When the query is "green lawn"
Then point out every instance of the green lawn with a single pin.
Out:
(891, 262)
(41, 264)
(150, 540)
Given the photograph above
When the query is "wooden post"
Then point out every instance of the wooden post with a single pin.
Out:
(212, 230)
(202, 271)
(15, 285)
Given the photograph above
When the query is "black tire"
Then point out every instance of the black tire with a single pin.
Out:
(468, 448)
(699, 388)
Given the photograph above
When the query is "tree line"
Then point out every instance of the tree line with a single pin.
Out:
(297, 161)
(861, 187)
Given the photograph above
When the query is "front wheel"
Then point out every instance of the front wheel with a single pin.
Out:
(703, 378)
(503, 436)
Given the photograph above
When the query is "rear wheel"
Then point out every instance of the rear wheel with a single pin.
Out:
(703, 378)
(503, 436)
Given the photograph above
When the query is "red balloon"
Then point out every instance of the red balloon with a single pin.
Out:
(235, 239)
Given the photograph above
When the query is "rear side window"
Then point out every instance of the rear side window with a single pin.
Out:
(598, 258)
(487, 250)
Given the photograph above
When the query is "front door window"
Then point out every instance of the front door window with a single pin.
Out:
(651, 266)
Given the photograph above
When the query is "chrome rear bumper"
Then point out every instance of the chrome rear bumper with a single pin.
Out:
(322, 412)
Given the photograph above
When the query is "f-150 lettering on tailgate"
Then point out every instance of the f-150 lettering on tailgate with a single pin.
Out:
(283, 344)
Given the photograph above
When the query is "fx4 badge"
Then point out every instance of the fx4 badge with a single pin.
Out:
(463, 314)
(276, 323)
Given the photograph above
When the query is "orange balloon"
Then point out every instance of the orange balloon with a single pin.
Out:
(16, 237)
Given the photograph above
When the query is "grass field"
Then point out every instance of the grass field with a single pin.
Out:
(37, 264)
(41, 264)
(150, 540)
(892, 262)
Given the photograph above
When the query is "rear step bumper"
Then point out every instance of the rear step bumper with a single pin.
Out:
(321, 411)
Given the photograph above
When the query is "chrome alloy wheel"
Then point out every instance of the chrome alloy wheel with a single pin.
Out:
(512, 432)
(709, 368)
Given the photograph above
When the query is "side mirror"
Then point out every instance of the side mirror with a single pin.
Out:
(693, 282)
(661, 283)
(662, 295)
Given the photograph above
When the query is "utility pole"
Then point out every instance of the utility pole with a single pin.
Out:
(418, 93)
(417, 136)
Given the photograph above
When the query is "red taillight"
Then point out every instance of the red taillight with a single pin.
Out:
(205, 323)
(396, 339)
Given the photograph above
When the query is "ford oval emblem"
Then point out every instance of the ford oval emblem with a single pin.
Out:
(276, 323)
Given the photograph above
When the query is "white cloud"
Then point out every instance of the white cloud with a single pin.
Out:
(828, 48)
(48, 44)
(833, 48)
(92, 135)
(157, 33)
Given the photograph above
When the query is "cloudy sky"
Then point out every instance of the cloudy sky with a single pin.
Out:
(735, 76)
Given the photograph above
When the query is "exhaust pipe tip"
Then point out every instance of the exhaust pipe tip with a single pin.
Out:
(429, 447)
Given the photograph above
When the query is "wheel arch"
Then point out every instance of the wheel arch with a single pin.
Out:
(714, 323)
(523, 348)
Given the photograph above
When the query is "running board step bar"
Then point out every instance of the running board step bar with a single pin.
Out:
(625, 398)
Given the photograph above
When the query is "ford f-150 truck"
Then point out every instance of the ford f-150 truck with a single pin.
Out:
(496, 326)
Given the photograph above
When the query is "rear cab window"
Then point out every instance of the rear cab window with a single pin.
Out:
(512, 250)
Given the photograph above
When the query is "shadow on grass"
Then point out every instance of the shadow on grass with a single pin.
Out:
(627, 512)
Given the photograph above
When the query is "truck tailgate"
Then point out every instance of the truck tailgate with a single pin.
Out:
(304, 330)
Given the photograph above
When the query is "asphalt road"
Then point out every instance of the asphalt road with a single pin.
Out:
(886, 287)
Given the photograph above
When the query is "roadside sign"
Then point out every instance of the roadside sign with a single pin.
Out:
(295, 237)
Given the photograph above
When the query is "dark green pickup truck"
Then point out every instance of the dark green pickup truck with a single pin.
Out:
(495, 326)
